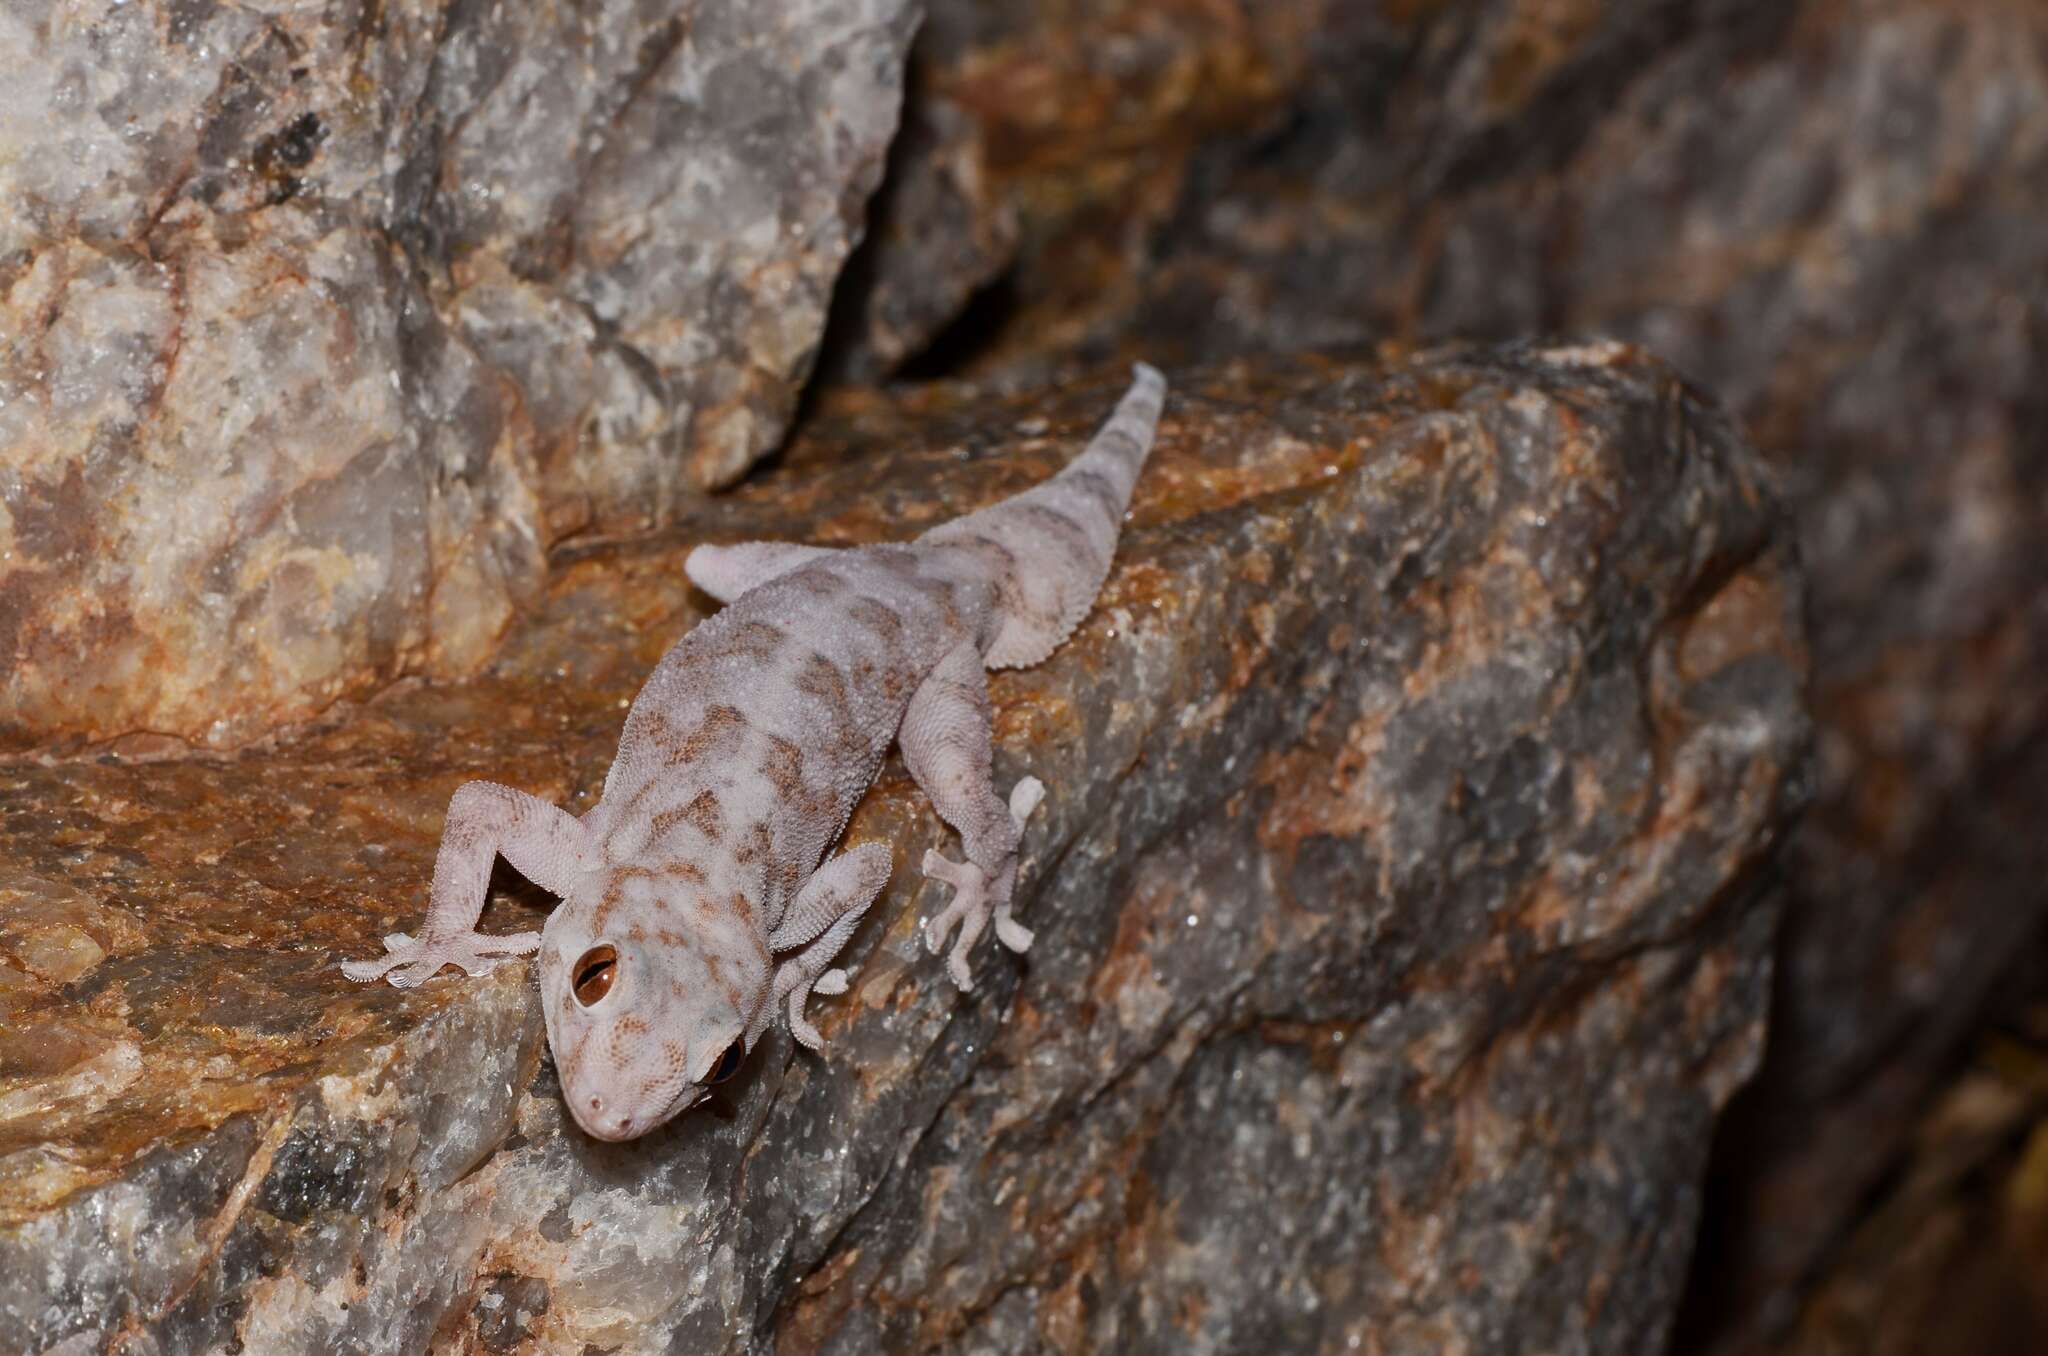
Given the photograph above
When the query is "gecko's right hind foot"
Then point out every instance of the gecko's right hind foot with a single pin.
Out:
(979, 898)
(408, 962)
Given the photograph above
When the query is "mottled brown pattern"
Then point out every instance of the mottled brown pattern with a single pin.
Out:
(753, 640)
(819, 678)
(943, 595)
(783, 766)
(702, 813)
(880, 619)
(1073, 536)
(1097, 486)
(717, 735)
(755, 844)
(900, 563)
(786, 876)
(818, 583)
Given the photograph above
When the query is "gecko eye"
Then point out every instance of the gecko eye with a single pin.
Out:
(728, 1063)
(594, 974)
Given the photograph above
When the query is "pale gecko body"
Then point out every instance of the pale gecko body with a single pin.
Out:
(697, 900)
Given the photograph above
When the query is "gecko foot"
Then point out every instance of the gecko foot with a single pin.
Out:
(979, 897)
(408, 962)
(831, 982)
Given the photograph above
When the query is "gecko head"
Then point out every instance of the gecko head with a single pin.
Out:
(644, 1017)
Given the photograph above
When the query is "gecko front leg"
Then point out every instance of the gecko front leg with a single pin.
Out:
(945, 739)
(546, 844)
(820, 920)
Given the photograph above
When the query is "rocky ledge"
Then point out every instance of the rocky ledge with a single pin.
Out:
(1403, 908)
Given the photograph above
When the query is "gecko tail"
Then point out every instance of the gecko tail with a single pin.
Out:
(1057, 538)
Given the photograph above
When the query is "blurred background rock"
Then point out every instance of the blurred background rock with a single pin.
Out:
(1832, 213)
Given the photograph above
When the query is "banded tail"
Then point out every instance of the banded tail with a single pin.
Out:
(1059, 536)
(1055, 539)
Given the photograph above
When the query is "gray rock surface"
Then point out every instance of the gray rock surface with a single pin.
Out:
(1829, 214)
(321, 323)
(1402, 902)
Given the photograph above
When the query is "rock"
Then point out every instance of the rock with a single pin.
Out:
(1034, 130)
(322, 324)
(1828, 214)
(1946, 1255)
(1402, 902)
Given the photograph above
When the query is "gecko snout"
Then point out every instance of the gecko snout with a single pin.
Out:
(614, 1127)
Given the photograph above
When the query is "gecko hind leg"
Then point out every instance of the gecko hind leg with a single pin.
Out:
(726, 572)
(945, 739)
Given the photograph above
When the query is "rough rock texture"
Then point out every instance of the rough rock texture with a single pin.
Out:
(1829, 213)
(1401, 902)
(320, 322)
(1042, 144)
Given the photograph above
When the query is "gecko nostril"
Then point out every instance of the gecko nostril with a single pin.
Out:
(596, 1102)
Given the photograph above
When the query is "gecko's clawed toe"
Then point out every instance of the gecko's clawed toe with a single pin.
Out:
(800, 1026)
(956, 966)
(1012, 933)
(1025, 796)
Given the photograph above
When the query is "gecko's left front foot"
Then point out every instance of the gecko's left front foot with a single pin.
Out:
(408, 962)
(979, 896)
(831, 982)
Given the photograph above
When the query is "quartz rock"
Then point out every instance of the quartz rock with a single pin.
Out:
(1402, 902)
(322, 324)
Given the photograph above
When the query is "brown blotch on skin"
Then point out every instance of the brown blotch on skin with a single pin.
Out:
(821, 678)
(755, 846)
(717, 735)
(1060, 525)
(1096, 485)
(783, 767)
(898, 561)
(941, 593)
(879, 618)
(998, 549)
(753, 640)
(818, 583)
(702, 814)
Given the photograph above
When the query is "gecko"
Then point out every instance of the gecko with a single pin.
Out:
(697, 901)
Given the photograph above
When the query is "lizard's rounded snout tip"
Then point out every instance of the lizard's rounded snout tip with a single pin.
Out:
(598, 1124)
